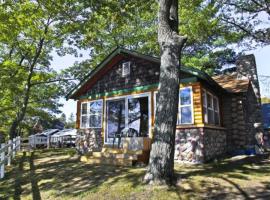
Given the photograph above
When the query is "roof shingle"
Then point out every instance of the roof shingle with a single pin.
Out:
(230, 83)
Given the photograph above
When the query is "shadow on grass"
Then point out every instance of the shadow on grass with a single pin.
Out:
(69, 176)
(18, 179)
(33, 179)
(226, 171)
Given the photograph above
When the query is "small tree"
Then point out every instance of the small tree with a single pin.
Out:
(161, 163)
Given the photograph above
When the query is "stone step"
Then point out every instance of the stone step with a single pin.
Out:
(115, 155)
(121, 151)
(107, 161)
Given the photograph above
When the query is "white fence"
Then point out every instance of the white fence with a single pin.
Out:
(51, 141)
(8, 152)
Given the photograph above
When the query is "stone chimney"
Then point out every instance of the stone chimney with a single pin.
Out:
(246, 69)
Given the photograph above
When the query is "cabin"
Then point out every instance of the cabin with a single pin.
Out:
(116, 110)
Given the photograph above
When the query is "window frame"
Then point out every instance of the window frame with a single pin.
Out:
(213, 109)
(88, 114)
(191, 105)
(179, 106)
(126, 65)
(126, 98)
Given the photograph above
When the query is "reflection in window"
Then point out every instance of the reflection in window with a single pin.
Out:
(185, 106)
(84, 117)
(116, 117)
(91, 114)
(210, 109)
(138, 115)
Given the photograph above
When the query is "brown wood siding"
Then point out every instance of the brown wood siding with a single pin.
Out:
(78, 115)
(197, 104)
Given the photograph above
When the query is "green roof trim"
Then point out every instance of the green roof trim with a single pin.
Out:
(133, 90)
(120, 92)
(190, 70)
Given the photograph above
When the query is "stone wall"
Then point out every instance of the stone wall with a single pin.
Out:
(90, 140)
(214, 141)
(239, 117)
(189, 145)
(198, 145)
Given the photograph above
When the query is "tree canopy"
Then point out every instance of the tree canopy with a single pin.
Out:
(31, 30)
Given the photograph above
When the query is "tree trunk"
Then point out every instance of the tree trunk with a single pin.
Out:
(161, 163)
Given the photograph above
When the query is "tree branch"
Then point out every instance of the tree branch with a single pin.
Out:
(53, 81)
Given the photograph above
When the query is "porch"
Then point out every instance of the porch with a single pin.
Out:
(134, 150)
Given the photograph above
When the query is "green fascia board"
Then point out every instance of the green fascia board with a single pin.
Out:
(119, 50)
(119, 92)
(132, 90)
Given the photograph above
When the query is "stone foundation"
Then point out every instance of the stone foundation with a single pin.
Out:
(90, 140)
(198, 145)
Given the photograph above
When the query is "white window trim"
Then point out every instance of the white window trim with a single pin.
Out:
(212, 109)
(190, 105)
(88, 114)
(81, 115)
(127, 97)
(179, 113)
(126, 64)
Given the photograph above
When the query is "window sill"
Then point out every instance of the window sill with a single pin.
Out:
(199, 126)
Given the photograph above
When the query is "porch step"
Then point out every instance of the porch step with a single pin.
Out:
(121, 151)
(107, 161)
(115, 155)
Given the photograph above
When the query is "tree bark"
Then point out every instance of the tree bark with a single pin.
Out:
(161, 162)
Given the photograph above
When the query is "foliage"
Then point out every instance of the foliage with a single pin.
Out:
(249, 17)
(265, 100)
(29, 31)
(133, 25)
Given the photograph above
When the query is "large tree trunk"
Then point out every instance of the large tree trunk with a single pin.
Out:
(161, 163)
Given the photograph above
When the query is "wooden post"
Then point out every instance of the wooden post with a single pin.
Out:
(2, 167)
(13, 147)
(9, 151)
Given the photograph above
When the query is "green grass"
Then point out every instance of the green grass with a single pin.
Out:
(58, 174)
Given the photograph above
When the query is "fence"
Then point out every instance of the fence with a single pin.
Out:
(37, 140)
(7, 153)
(51, 141)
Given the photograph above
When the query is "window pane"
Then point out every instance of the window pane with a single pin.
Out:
(185, 96)
(116, 117)
(209, 101)
(96, 107)
(211, 117)
(84, 108)
(138, 115)
(95, 121)
(205, 115)
(216, 118)
(84, 122)
(215, 104)
(186, 116)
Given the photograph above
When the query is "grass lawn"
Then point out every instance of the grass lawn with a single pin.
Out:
(57, 174)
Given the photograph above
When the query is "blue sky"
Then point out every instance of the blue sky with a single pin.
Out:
(262, 55)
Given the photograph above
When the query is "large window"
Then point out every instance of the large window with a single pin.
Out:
(185, 114)
(91, 114)
(210, 108)
(128, 115)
